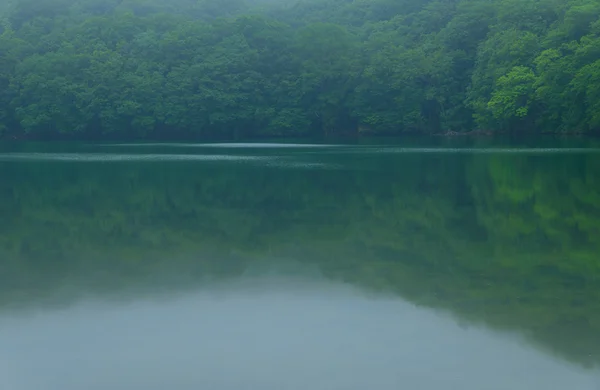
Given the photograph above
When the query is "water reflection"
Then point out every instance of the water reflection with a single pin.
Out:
(269, 334)
(504, 243)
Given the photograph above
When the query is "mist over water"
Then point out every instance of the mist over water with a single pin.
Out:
(299, 267)
(268, 333)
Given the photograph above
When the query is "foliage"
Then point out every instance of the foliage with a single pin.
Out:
(235, 68)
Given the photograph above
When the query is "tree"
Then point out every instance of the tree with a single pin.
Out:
(513, 96)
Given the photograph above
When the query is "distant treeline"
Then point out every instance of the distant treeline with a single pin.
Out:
(235, 68)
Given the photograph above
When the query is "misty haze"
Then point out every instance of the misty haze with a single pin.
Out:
(299, 194)
(270, 334)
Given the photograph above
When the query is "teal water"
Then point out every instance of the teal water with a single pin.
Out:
(421, 265)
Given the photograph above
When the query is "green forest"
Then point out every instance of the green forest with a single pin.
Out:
(154, 69)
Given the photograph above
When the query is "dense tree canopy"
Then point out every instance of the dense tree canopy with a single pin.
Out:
(244, 68)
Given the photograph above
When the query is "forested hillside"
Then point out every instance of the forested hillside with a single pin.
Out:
(236, 68)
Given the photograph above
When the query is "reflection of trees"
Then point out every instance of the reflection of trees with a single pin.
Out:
(542, 216)
(509, 241)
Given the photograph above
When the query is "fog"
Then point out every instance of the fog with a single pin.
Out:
(267, 334)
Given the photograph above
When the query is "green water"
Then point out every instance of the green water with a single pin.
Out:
(501, 239)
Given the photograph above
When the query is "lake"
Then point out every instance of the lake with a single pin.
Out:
(454, 264)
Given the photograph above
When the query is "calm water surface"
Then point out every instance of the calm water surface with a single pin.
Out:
(300, 266)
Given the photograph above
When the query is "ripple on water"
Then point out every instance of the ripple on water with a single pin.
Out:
(228, 145)
(108, 157)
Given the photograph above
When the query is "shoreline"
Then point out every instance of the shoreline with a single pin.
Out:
(342, 136)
